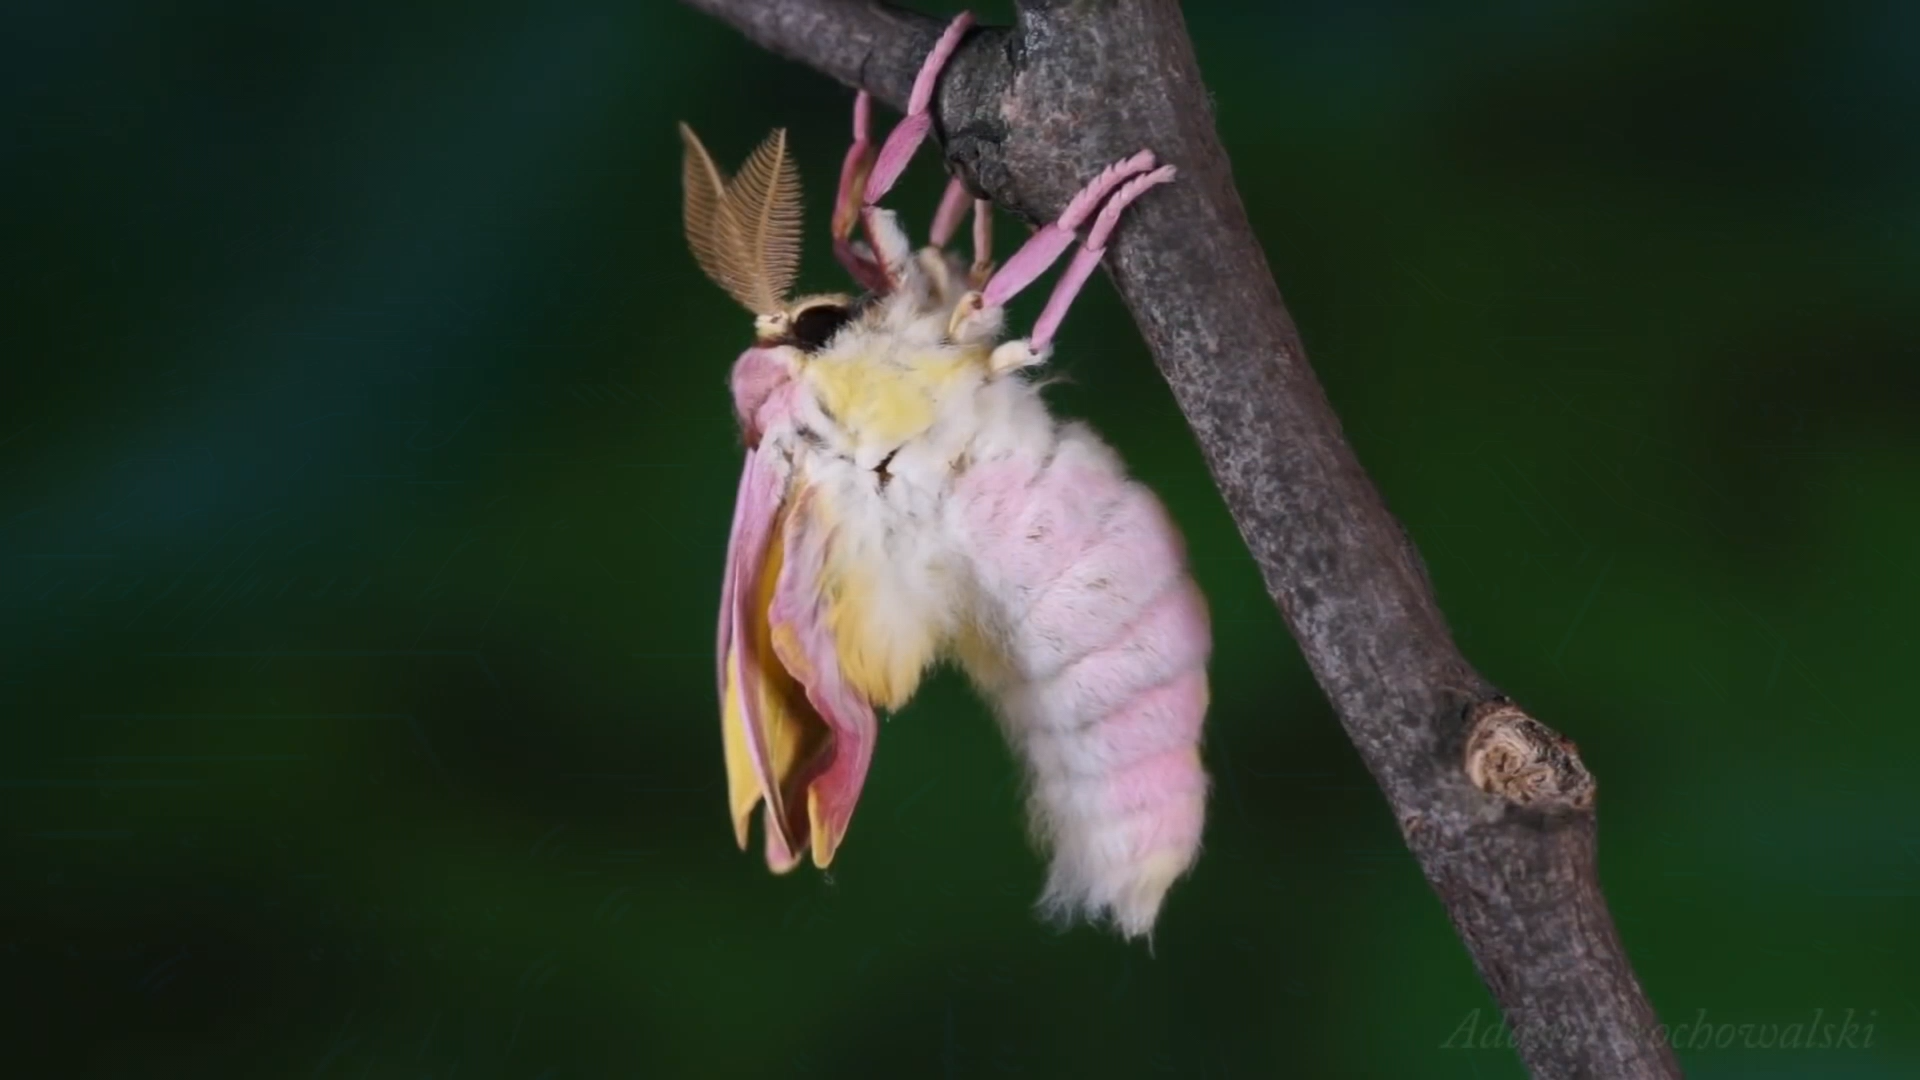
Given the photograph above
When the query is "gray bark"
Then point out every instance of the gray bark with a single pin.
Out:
(1496, 807)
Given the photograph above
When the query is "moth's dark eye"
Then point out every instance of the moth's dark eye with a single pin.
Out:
(814, 327)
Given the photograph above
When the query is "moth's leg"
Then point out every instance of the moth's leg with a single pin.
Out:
(906, 137)
(1084, 262)
(952, 277)
(977, 314)
(1044, 247)
(855, 169)
(982, 244)
(852, 196)
(893, 252)
(946, 220)
(891, 249)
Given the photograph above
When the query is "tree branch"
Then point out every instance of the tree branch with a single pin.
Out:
(1496, 807)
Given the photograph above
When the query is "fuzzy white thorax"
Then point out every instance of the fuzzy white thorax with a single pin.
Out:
(898, 347)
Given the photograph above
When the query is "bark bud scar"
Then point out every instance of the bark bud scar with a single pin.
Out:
(1525, 762)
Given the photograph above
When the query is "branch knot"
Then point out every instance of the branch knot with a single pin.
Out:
(1525, 762)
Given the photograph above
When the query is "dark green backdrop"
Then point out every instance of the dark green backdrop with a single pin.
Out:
(366, 466)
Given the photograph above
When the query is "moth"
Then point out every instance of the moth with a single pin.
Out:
(908, 499)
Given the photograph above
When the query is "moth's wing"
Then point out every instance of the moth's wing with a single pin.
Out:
(759, 382)
(772, 734)
(804, 640)
(757, 375)
(723, 646)
(749, 766)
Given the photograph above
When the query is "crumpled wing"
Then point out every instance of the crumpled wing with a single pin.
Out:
(804, 642)
(722, 659)
(771, 733)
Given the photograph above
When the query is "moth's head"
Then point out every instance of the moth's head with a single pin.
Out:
(783, 343)
(745, 234)
(808, 323)
(884, 360)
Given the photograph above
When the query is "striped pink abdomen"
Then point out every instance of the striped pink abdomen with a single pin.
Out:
(1100, 679)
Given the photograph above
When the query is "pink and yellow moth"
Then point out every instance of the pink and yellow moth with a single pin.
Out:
(908, 498)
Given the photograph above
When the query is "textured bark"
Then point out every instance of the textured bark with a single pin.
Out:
(1496, 807)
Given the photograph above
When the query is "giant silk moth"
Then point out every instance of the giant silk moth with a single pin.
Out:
(907, 498)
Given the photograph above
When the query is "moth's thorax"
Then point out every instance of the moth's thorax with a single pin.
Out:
(891, 376)
(886, 419)
(878, 400)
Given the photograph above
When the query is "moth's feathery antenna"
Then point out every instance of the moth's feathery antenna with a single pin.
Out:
(705, 192)
(766, 195)
(744, 232)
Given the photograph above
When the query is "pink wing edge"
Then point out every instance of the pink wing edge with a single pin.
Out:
(832, 781)
(761, 393)
(755, 376)
(754, 513)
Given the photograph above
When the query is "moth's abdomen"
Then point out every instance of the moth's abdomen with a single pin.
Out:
(1093, 643)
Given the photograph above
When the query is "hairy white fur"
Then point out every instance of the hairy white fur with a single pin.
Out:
(1047, 687)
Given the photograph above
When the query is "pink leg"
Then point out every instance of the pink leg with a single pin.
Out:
(1088, 256)
(855, 169)
(906, 138)
(1045, 246)
(982, 243)
(846, 204)
(892, 251)
(978, 313)
(946, 221)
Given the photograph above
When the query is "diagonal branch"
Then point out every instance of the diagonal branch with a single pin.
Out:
(1496, 807)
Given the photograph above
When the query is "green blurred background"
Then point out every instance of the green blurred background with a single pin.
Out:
(366, 466)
